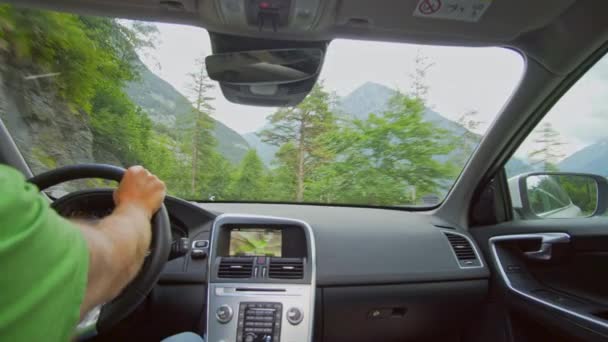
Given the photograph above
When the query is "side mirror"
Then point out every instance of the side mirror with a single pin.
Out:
(559, 195)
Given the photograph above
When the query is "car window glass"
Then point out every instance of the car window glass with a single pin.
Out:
(387, 124)
(571, 138)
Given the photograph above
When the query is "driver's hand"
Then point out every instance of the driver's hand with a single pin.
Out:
(140, 188)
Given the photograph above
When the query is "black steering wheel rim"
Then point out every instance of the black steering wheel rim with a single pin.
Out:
(160, 246)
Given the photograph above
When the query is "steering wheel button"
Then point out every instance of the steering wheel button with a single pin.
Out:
(198, 254)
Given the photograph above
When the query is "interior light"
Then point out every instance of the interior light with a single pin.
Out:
(264, 89)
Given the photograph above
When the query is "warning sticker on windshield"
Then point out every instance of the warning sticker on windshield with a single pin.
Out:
(463, 10)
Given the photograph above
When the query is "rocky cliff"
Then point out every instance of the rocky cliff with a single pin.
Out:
(45, 128)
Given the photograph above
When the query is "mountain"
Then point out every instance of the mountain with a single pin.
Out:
(591, 159)
(374, 98)
(368, 98)
(516, 166)
(164, 104)
(265, 151)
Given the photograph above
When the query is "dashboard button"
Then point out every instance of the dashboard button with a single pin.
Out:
(294, 316)
(223, 313)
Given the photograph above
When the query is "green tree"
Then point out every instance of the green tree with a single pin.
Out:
(215, 177)
(548, 145)
(581, 190)
(281, 181)
(300, 128)
(466, 143)
(200, 142)
(390, 158)
(60, 45)
(162, 157)
(419, 87)
(249, 182)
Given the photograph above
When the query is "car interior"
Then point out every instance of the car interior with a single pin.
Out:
(498, 258)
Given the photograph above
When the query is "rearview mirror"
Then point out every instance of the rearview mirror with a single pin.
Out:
(265, 67)
(558, 195)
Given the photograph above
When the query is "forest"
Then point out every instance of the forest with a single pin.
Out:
(393, 157)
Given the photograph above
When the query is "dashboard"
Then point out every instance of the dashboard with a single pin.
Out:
(392, 274)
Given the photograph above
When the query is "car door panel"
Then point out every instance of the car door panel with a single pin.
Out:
(552, 272)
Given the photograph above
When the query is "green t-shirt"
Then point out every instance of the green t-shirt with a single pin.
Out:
(44, 263)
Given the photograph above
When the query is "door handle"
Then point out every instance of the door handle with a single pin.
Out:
(543, 254)
(546, 246)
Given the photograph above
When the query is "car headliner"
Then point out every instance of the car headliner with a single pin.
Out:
(559, 39)
(538, 28)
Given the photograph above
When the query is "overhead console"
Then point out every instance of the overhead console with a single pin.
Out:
(261, 280)
(272, 15)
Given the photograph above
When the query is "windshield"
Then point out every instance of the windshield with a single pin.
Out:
(387, 124)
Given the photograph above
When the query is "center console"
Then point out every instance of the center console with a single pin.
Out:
(261, 280)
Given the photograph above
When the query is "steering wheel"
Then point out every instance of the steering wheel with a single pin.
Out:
(103, 317)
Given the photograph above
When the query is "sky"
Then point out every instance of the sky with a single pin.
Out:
(461, 79)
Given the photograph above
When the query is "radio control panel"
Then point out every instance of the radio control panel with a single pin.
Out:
(259, 322)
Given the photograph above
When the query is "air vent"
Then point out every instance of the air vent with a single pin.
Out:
(235, 268)
(286, 268)
(463, 250)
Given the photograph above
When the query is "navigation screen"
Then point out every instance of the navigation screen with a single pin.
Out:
(255, 242)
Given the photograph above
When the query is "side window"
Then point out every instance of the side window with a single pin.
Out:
(556, 170)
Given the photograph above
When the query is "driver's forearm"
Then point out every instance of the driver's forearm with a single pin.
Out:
(117, 247)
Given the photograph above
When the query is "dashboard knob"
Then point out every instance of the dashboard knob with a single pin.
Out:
(249, 338)
(294, 316)
(223, 313)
